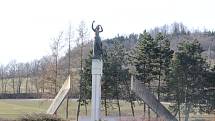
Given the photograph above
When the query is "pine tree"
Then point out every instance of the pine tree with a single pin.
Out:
(144, 60)
(114, 78)
(207, 97)
(188, 75)
(114, 74)
(87, 76)
(86, 83)
(162, 61)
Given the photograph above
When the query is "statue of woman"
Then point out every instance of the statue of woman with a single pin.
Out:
(97, 50)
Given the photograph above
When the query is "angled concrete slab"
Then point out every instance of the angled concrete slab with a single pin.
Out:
(146, 95)
(59, 97)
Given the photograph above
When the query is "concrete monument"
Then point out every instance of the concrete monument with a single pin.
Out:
(97, 65)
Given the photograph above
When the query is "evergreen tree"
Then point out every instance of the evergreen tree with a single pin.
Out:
(162, 60)
(86, 83)
(144, 60)
(152, 60)
(114, 74)
(188, 77)
(87, 76)
(207, 97)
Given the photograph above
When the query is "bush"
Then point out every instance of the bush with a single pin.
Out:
(40, 117)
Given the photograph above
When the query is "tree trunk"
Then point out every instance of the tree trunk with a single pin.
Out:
(132, 107)
(159, 84)
(5, 87)
(26, 86)
(43, 86)
(2, 86)
(85, 105)
(188, 107)
(67, 100)
(79, 104)
(80, 87)
(13, 86)
(149, 111)
(159, 80)
(37, 88)
(118, 105)
(117, 97)
(144, 108)
(105, 104)
(85, 99)
(178, 101)
(19, 86)
(56, 72)
(67, 105)
(179, 112)
(130, 96)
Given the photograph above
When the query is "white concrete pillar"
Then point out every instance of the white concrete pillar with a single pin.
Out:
(97, 65)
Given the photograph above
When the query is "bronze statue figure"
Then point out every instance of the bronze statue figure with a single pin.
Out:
(97, 50)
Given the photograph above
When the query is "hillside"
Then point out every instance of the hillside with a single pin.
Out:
(207, 41)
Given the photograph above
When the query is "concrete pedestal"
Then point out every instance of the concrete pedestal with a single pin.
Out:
(97, 65)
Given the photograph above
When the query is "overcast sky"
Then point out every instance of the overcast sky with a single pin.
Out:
(28, 26)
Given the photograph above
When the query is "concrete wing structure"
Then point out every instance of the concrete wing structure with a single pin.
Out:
(60, 97)
(145, 94)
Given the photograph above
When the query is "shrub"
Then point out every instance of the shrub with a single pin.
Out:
(40, 117)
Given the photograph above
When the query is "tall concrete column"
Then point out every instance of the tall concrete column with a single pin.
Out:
(97, 65)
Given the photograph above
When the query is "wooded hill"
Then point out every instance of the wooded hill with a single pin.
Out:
(176, 33)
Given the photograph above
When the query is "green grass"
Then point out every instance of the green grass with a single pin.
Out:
(15, 108)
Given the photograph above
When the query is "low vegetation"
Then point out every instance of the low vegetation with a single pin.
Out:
(40, 117)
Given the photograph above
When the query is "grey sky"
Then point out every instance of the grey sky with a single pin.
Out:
(27, 26)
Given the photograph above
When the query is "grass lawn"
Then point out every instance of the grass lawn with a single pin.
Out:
(15, 108)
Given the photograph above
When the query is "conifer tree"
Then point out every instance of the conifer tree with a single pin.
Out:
(188, 77)
(144, 60)
(162, 60)
(114, 74)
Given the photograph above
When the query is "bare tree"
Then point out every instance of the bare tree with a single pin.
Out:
(69, 66)
(12, 73)
(35, 74)
(82, 35)
(47, 75)
(56, 47)
(20, 72)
